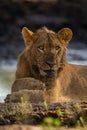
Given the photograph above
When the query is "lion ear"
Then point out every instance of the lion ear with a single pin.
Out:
(27, 36)
(65, 35)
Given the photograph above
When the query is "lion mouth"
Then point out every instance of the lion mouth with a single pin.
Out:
(48, 73)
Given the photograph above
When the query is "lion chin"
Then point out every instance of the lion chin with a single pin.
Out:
(48, 73)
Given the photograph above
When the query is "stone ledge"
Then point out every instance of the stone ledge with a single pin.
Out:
(28, 127)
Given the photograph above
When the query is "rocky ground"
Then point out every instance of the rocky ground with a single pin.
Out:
(25, 116)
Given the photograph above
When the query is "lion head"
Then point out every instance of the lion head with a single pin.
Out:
(46, 50)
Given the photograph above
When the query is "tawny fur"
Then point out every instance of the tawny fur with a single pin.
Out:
(69, 82)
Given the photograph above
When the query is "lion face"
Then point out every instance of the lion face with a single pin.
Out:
(48, 53)
(46, 50)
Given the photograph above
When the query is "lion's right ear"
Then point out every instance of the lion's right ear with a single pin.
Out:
(27, 36)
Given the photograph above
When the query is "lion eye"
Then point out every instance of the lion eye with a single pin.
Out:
(41, 49)
(57, 48)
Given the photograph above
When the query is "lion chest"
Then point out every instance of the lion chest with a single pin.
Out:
(52, 95)
(56, 94)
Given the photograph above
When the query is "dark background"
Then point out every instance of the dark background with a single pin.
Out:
(55, 14)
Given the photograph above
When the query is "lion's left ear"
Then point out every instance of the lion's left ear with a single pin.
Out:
(27, 36)
(65, 35)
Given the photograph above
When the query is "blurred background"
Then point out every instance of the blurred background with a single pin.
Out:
(55, 14)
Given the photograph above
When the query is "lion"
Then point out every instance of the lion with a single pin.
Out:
(43, 72)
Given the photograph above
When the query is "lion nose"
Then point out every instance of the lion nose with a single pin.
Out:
(51, 63)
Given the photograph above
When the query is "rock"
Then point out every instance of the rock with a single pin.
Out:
(27, 127)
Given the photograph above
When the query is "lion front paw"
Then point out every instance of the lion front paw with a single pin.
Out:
(31, 96)
(27, 83)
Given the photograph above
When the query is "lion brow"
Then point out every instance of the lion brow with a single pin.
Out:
(47, 30)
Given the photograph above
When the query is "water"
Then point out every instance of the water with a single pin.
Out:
(7, 69)
(78, 57)
(7, 76)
